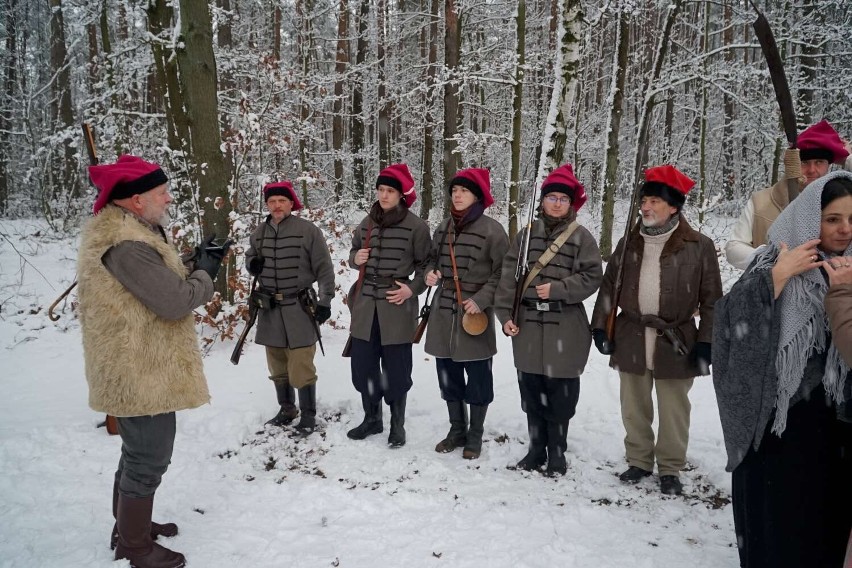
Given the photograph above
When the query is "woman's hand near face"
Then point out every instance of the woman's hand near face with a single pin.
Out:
(792, 262)
(839, 270)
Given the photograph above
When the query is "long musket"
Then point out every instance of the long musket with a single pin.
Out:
(238, 348)
(615, 294)
(93, 160)
(779, 83)
(522, 269)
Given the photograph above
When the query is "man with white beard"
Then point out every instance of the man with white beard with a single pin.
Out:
(670, 272)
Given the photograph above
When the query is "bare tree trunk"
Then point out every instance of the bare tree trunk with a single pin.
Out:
(808, 66)
(10, 65)
(160, 15)
(64, 171)
(384, 121)
(452, 45)
(276, 33)
(613, 129)
(727, 107)
(358, 104)
(428, 181)
(517, 116)
(702, 137)
(304, 9)
(341, 62)
(200, 86)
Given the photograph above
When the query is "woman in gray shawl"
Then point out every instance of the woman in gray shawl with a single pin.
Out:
(781, 385)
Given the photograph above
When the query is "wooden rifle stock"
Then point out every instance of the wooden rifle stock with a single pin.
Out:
(238, 348)
(424, 318)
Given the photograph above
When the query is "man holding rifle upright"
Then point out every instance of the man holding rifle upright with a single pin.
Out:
(139, 343)
(288, 254)
(669, 271)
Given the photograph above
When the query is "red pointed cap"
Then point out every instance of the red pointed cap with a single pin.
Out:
(670, 176)
(398, 177)
(283, 188)
(563, 180)
(821, 141)
(128, 176)
(477, 180)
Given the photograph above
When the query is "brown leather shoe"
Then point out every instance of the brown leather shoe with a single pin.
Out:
(134, 536)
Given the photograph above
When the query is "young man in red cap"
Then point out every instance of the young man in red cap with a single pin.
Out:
(818, 147)
(390, 249)
(470, 245)
(288, 254)
(670, 271)
(551, 339)
(136, 300)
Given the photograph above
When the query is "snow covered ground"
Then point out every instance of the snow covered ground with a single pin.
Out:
(245, 496)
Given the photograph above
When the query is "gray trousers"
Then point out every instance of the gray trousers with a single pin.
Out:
(146, 451)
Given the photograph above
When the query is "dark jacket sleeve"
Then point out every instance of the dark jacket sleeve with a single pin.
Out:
(322, 267)
(604, 299)
(504, 296)
(585, 275)
(497, 247)
(838, 306)
(422, 250)
(142, 271)
(710, 288)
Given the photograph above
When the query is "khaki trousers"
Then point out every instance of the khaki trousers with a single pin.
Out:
(637, 414)
(295, 365)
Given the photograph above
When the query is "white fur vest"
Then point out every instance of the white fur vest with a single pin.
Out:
(137, 364)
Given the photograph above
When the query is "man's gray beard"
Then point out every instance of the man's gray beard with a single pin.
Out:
(650, 221)
(164, 219)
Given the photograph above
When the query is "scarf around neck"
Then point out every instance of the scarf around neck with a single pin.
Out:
(803, 330)
(384, 219)
(551, 223)
(662, 229)
(467, 216)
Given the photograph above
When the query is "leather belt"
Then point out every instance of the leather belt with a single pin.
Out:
(543, 305)
(448, 283)
(383, 280)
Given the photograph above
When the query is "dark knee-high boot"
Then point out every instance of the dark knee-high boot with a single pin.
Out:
(396, 438)
(308, 409)
(166, 529)
(473, 444)
(287, 401)
(537, 454)
(557, 444)
(457, 436)
(134, 536)
(372, 423)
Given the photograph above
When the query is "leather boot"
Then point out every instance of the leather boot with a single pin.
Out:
(537, 454)
(457, 436)
(134, 536)
(308, 408)
(372, 423)
(473, 445)
(167, 529)
(396, 438)
(287, 402)
(557, 444)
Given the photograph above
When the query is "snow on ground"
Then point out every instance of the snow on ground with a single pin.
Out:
(246, 496)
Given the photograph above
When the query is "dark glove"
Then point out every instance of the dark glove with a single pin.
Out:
(322, 314)
(604, 345)
(210, 256)
(255, 265)
(701, 356)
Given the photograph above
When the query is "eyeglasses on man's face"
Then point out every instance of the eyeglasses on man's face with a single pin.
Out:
(557, 199)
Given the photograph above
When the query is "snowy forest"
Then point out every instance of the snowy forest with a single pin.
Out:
(229, 94)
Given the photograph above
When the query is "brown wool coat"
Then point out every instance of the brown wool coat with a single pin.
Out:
(554, 344)
(838, 306)
(689, 281)
(401, 252)
(296, 255)
(479, 248)
(137, 363)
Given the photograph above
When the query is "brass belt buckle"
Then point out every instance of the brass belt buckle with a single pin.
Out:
(542, 306)
(279, 297)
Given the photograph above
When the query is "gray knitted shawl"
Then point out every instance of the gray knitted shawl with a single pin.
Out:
(804, 327)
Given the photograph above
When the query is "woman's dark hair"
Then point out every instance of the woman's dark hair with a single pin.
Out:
(835, 188)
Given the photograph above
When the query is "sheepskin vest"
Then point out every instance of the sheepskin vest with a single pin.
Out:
(137, 364)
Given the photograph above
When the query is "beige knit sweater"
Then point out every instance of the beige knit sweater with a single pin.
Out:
(649, 287)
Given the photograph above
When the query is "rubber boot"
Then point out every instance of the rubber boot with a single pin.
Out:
(457, 436)
(134, 536)
(557, 444)
(372, 423)
(473, 445)
(396, 438)
(287, 402)
(308, 408)
(537, 454)
(167, 529)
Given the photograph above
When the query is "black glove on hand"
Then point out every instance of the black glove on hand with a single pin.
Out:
(701, 355)
(604, 345)
(323, 313)
(255, 265)
(210, 256)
